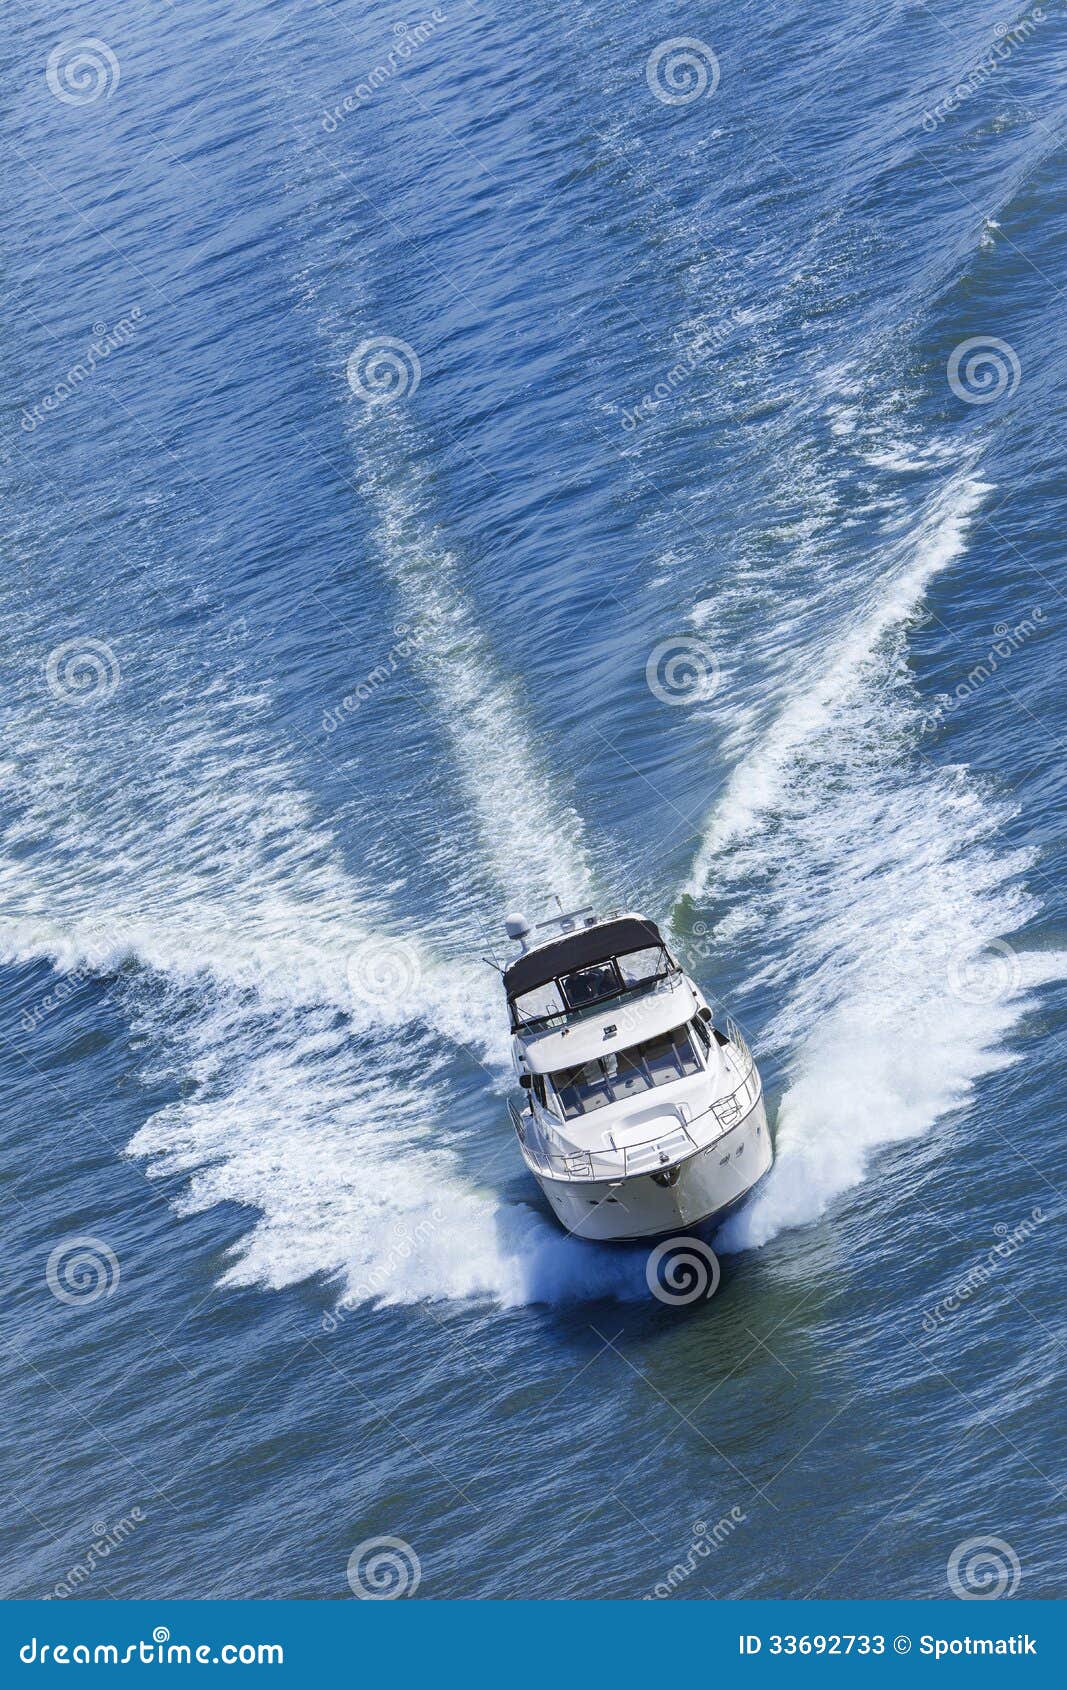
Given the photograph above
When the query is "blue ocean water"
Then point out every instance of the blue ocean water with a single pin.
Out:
(449, 461)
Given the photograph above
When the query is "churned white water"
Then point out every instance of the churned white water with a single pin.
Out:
(881, 890)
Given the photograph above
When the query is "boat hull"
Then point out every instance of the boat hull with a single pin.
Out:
(643, 1206)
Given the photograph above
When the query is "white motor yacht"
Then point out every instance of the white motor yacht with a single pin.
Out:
(641, 1114)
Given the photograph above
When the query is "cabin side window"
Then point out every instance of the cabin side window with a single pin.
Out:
(537, 1004)
(637, 967)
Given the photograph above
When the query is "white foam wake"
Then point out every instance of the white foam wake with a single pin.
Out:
(342, 1153)
(827, 682)
(531, 840)
(226, 928)
(223, 873)
(880, 889)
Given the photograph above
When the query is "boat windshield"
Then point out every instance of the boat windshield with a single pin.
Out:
(595, 984)
(624, 1073)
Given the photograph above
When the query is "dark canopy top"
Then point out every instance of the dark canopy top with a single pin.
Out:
(579, 950)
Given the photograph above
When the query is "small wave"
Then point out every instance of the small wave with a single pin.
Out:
(879, 1068)
(529, 839)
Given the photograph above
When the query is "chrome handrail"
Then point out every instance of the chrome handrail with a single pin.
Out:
(737, 1037)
